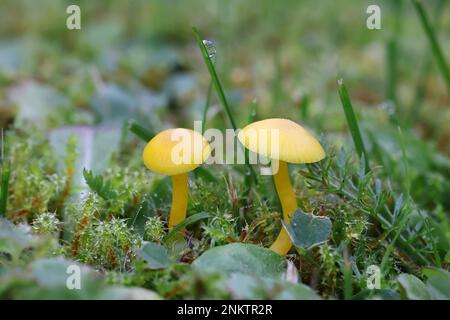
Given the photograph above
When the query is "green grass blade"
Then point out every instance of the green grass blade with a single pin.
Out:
(189, 220)
(392, 54)
(420, 88)
(252, 114)
(352, 122)
(435, 48)
(391, 70)
(407, 177)
(347, 272)
(206, 108)
(140, 131)
(5, 175)
(304, 108)
(214, 78)
(219, 90)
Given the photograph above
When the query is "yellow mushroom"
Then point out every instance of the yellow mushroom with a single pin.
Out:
(287, 142)
(176, 152)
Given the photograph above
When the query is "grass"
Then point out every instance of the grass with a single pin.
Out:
(185, 223)
(206, 108)
(352, 123)
(214, 78)
(434, 44)
(5, 176)
(140, 131)
(220, 93)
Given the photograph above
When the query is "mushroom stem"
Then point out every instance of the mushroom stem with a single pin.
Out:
(179, 199)
(286, 194)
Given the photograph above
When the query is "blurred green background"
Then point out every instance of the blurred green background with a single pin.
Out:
(141, 57)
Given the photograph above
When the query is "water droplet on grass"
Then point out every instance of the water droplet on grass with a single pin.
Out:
(389, 107)
(210, 47)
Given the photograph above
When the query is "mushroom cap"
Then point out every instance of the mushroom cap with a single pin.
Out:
(176, 151)
(295, 144)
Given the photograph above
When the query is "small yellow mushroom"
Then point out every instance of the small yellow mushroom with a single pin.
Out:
(176, 152)
(289, 143)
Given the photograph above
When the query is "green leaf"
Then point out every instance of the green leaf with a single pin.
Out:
(413, 287)
(383, 294)
(52, 272)
(96, 183)
(95, 146)
(13, 240)
(203, 173)
(47, 279)
(438, 282)
(36, 102)
(241, 258)
(308, 230)
(51, 276)
(155, 255)
(113, 104)
(189, 220)
(123, 293)
(242, 286)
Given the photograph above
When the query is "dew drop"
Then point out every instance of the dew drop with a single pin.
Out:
(210, 47)
(389, 107)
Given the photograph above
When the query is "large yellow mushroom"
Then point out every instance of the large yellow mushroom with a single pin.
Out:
(287, 142)
(176, 152)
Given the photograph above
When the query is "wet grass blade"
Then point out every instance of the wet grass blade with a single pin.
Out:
(219, 90)
(352, 123)
(5, 175)
(214, 78)
(435, 48)
(141, 132)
